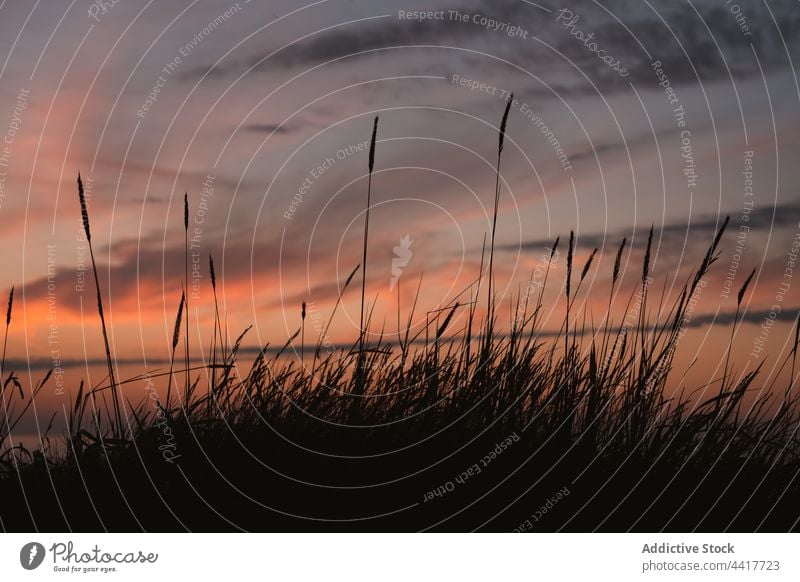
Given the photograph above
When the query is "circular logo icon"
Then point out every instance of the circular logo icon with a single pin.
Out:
(31, 555)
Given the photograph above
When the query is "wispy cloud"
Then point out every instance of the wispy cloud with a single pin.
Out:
(269, 128)
(693, 231)
(636, 31)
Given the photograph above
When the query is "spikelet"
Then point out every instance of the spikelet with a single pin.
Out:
(211, 271)
(555, 248)
(84, 209)
(744, 288)
(646, 263)
(503, 124)
(372, 145)
(177, 333)
(351, 275)
(10, 305)
(618, 260)
(446, 322)
(569, 261)
(588, 264)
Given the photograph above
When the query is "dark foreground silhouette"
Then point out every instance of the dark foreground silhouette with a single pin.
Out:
(456, 426)
(487, 431)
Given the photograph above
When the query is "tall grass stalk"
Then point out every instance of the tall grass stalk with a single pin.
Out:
(213, 277)
(361, 372)
(728, 351)
(603, 405)
(500, 143)
(3, 381)
(118, 429)
(176, 335)
(371, 165)
(5, 338)
(303, 336)
(187, 379)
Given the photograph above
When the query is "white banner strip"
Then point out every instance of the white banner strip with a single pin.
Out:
(400, 557)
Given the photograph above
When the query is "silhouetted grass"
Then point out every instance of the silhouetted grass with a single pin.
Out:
(361, 439)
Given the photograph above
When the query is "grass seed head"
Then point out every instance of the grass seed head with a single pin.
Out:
(555, 248)
(744, 288)
(372, 145)
(503, 123)
(84, 209)
(588, 264)
(646, 262)
(618, 260)
(570, 250)
(212, 273)
(10, 305)
(177, 333)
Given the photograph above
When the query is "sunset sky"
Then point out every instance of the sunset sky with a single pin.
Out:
(627, 114)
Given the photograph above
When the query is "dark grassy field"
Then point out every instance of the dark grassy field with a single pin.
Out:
(464, 425)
